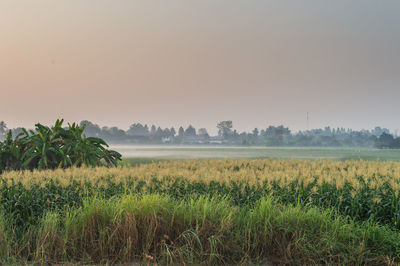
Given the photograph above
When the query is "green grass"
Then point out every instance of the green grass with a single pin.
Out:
(144, 154)
(211, 231)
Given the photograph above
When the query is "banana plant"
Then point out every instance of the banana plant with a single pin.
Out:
(49, 148)
(10, 153)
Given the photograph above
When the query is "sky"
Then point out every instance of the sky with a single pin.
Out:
(173, 63)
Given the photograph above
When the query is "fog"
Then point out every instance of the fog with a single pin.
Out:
(257, 63)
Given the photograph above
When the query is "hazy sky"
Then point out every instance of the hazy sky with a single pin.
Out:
(257, 63)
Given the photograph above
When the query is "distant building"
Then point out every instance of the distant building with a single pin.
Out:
(168, 139)
(216, 140)
(199, 139)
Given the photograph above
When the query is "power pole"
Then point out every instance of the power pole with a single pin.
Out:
(308, 122)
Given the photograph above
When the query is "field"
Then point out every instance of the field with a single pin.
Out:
(226, 211)
(148, 153)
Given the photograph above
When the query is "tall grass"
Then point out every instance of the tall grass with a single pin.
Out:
(159, 229)
(4, 238)
(50, 245)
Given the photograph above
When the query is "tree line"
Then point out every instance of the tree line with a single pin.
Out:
(274, 136)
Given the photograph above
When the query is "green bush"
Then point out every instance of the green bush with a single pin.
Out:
(49, 148)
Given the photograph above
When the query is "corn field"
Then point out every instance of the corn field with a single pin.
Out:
(361, 190)
(358, 198)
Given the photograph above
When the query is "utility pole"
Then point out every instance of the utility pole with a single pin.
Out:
(308, 122)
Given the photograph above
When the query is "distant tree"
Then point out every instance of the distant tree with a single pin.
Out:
(173, 132)
(17, 131)
(277, 131)
(202, 132)
(327, 131)
(190, 131)
(270, 136)
(395, 144)
(255, 132)
(159, 132)
(138, 130)
(384, 140)
(225, 128)
(117, 133)
(181, 132)
(166, 132)
(378, 131)
(3, 128)
(91, 129)
(275, 135)
(153, 130)
(235, 137)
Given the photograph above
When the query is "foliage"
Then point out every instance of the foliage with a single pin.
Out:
(157, 229)
(387, 141)
(205, 212)
(49, 148)
(268, 136)
(225, 128)
(3, 127)
(364, 191)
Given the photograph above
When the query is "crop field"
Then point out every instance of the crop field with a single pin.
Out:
(148, 152)
(226, 211)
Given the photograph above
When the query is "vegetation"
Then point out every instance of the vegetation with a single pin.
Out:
(205, 212)
(273, 136)
(387, 141)
(49, 148)
(361, 190)
(158, 229)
